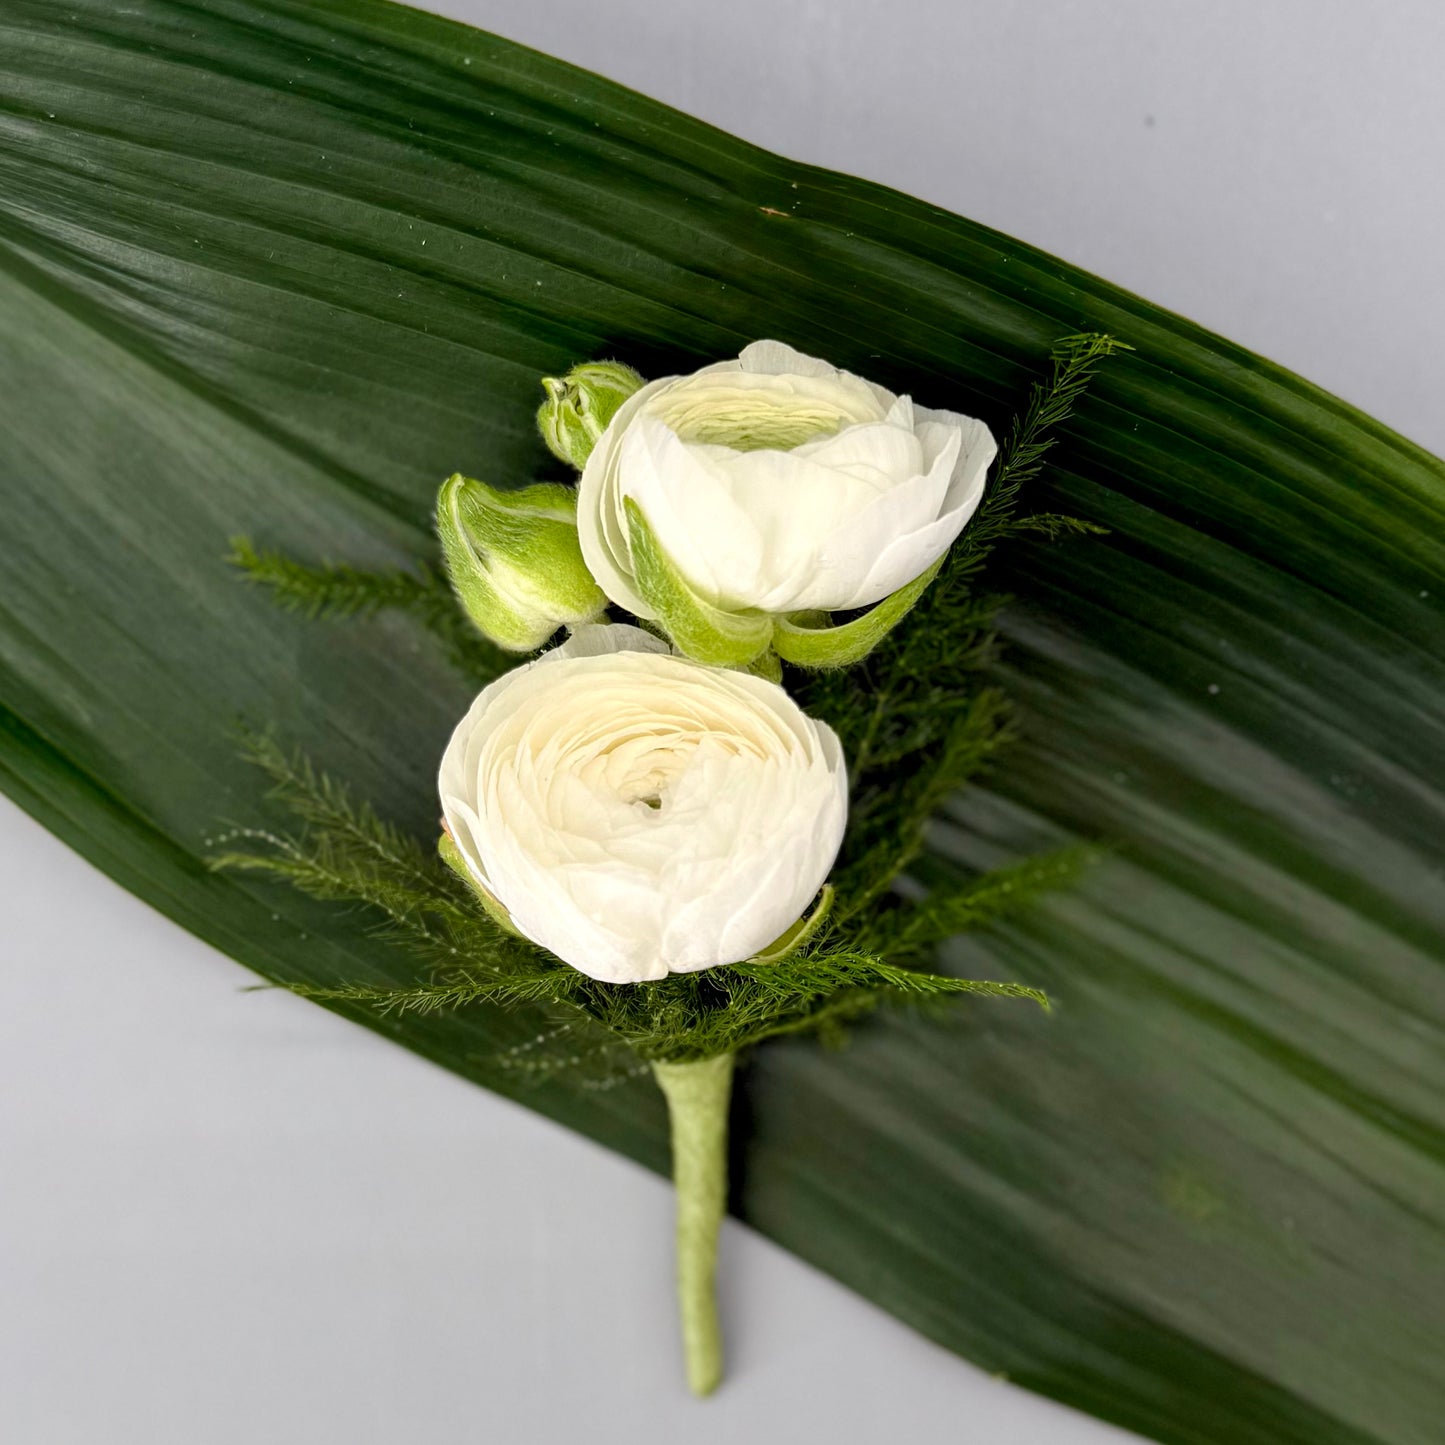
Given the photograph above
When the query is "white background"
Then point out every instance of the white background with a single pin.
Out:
(228, 1219)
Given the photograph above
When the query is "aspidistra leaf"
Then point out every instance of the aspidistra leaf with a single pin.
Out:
(276, 269)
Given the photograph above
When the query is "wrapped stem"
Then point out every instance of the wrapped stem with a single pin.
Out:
(697, 1096)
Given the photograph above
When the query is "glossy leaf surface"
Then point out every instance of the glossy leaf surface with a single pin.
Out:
(279, 268)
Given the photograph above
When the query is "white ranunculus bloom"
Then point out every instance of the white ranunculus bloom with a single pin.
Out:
(780, 484)
(638, 813)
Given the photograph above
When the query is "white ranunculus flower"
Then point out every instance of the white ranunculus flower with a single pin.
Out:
(638, 813)
(778, 484)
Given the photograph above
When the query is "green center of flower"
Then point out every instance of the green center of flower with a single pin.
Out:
(752, 423)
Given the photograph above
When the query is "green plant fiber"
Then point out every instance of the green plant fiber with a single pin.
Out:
(697, 1097)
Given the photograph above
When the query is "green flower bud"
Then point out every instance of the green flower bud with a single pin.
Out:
(514, 560)
(579, 406)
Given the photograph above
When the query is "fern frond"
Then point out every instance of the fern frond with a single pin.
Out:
(916, 929)
(1075, 360)
(892, 804)
(443, 997)
(825, 974)
(344, 851)
(333, 591)
(320, 802)
(1053, 525)
(320, 871)
(914, 718)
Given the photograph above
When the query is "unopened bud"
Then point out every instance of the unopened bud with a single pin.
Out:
(579, 406)
(514, 560)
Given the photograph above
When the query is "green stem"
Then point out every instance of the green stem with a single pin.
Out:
(697, 1096)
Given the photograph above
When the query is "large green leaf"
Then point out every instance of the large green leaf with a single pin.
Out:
(279, 268)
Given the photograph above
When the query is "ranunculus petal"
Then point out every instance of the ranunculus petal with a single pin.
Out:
(847, 574)
(777, 358)
(978, 448)
(878, 453)
(637, 813)
(689, 505)
(597, 639)
(774, 489)
(905, 558)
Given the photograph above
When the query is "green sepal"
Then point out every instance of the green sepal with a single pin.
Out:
(768, 666)
(514, 559)
(805, 645)
(580, 405)
(790, 940)
(697, 627)
(451, 855)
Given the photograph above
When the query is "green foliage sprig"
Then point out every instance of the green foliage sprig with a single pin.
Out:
(916, 721)
(915, 718)
(344, 851)
(333, 591)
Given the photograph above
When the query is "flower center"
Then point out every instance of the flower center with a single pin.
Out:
(643, 776)
(751, 421)
(643, 768)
